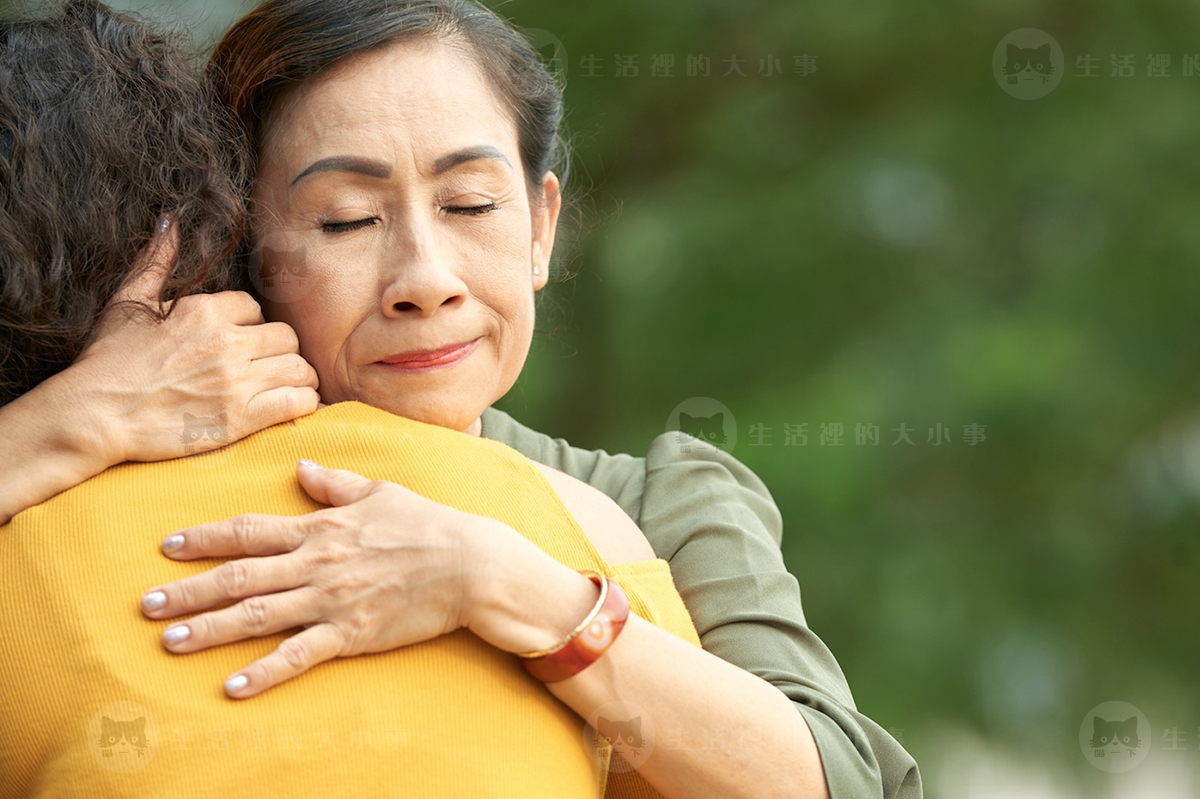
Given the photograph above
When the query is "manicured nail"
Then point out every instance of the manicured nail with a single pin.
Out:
(174, 635)
(236, 683)
(172, 543)
(154, 600)
(307, 464)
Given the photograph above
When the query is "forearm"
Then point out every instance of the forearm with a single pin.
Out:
(50, 446)
(718, 730)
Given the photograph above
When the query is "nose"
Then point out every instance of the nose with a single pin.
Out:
(423, 275)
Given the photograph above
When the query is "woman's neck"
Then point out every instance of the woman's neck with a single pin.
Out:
(474, 429)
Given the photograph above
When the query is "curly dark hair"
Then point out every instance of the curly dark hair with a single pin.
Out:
(105, 124)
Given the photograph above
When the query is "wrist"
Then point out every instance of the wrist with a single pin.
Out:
(518, 598)
(79, 426)
(47, 447)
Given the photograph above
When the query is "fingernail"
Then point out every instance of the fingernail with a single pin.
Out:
(236, 683)
(172, 543)
(174, 635)
(154, 600)
(163, 223)
(307, 464)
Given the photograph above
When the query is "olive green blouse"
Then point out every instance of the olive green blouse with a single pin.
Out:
(716, 524)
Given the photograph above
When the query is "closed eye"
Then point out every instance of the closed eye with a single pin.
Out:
(472, 210)
(344, 227)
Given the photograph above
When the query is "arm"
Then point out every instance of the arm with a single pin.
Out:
(358, 581)
(532, 600)
(716, 523)
(52, 445)
(125, 395)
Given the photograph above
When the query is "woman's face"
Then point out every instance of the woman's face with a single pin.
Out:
(390, 191)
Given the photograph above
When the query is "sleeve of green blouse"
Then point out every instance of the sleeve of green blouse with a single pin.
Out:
(716, 523)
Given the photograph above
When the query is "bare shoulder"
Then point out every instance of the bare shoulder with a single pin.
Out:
(614, 535)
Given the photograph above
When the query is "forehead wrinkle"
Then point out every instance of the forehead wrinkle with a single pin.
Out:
(410, 120)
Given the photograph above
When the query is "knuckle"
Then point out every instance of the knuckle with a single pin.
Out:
(294, 652)
(289, 336)
(233, 577)
(256, 616)
(300, 370)
(335, 520)
(326, 554)
(186, 593)
(287, 404)
(360, 619)
(214, 343)
(243, 531)
(248, 301)
(186, 304)
(223, 338)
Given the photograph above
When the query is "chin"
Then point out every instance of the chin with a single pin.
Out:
(458, 414)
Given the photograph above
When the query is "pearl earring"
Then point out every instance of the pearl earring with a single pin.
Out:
(537, 270)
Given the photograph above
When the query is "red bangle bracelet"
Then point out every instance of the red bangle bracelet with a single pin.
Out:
(587, 642)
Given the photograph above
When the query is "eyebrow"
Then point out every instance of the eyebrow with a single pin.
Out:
(378, 169)
(451, 160)
(347, 163)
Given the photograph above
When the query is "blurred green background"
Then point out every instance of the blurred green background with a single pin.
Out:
(893, 240)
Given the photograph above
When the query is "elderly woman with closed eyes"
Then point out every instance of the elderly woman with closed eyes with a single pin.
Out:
(405, 203)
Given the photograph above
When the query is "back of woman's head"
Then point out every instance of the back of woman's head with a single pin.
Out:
(105, 125)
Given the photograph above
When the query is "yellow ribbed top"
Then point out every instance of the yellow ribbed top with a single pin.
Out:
(444, 718)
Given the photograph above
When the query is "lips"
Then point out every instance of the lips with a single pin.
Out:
(419, 357)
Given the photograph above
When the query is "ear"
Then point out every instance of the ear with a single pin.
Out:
(187, 417)
(545, 223)
(1013, 50)
(684, 417)
(1044, 50)
(719, 418)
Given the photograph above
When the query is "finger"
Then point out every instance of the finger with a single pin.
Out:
(334, 486)
(294, 656)
(247, 534)
(283, 370)
(238, 307)
(279, 405)
(253, 617)
(151, 268)
(274, 338)
(234, 579)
